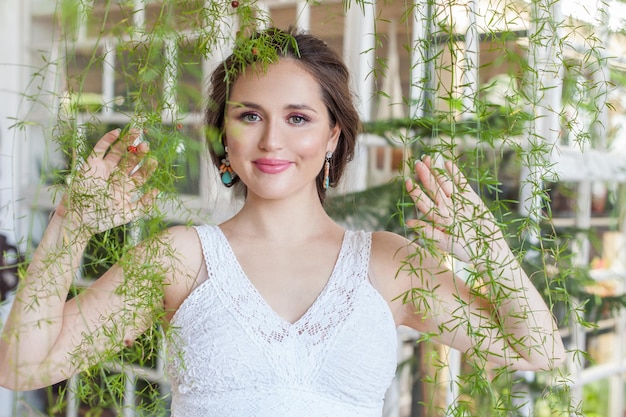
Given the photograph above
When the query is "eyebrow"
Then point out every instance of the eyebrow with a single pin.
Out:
(239, 104)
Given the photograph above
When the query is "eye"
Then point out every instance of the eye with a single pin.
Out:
(298, 119)
(249, 117)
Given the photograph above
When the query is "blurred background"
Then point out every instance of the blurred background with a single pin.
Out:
(528, 97)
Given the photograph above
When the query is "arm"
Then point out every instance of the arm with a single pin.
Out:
(47, 338)
(497, 314)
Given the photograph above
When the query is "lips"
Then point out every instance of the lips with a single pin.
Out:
(271, 166)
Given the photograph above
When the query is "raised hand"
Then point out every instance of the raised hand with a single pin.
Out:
(106, 190)
(454, 217)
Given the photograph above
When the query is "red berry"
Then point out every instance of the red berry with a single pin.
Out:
(132, 149)
(234, 3)
(255, 51)
(179, 126)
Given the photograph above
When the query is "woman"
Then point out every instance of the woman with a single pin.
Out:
(279, 310)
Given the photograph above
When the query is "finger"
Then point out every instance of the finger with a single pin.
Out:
(138, 163)
(444, 179)
(137, 146)
(105, 142)
(144, 169)
(456, 174)
(428, 177)
(120, 149)
(143, 148)
(462, 184)
(422, 201)
(439, 172)
(417, 195)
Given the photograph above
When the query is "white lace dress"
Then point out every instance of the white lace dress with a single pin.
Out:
(231, 355)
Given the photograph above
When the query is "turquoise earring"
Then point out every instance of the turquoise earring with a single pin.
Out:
(226, 172)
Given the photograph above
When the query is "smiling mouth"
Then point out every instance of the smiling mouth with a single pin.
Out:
(271, 166)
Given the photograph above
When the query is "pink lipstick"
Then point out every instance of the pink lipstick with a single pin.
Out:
(271, 166)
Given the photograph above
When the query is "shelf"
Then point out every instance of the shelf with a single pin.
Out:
(601, 325)
(563, 222)
(607, 274)
(597, 372)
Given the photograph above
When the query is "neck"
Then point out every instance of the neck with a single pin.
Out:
(284, 219)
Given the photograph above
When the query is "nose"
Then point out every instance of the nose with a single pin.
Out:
(272, 138)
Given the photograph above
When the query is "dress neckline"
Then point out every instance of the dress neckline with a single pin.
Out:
(245, 280)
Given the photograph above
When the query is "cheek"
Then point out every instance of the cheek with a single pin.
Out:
(231, 131)
(234, 135)
(310, 146)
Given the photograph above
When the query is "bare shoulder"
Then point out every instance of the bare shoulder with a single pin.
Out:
(388, 244)
(390, 257)
(185, 241)
(181, 257)
(398, 266)
(394, 255)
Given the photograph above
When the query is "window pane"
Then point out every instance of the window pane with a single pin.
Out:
(139, 76)
(84, 80)
(189, 86)
(110, 18)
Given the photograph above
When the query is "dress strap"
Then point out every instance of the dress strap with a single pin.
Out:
(356, 258)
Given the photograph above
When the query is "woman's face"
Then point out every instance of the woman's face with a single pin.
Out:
(278, 131)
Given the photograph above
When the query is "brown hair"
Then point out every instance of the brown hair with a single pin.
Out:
(319, 60)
